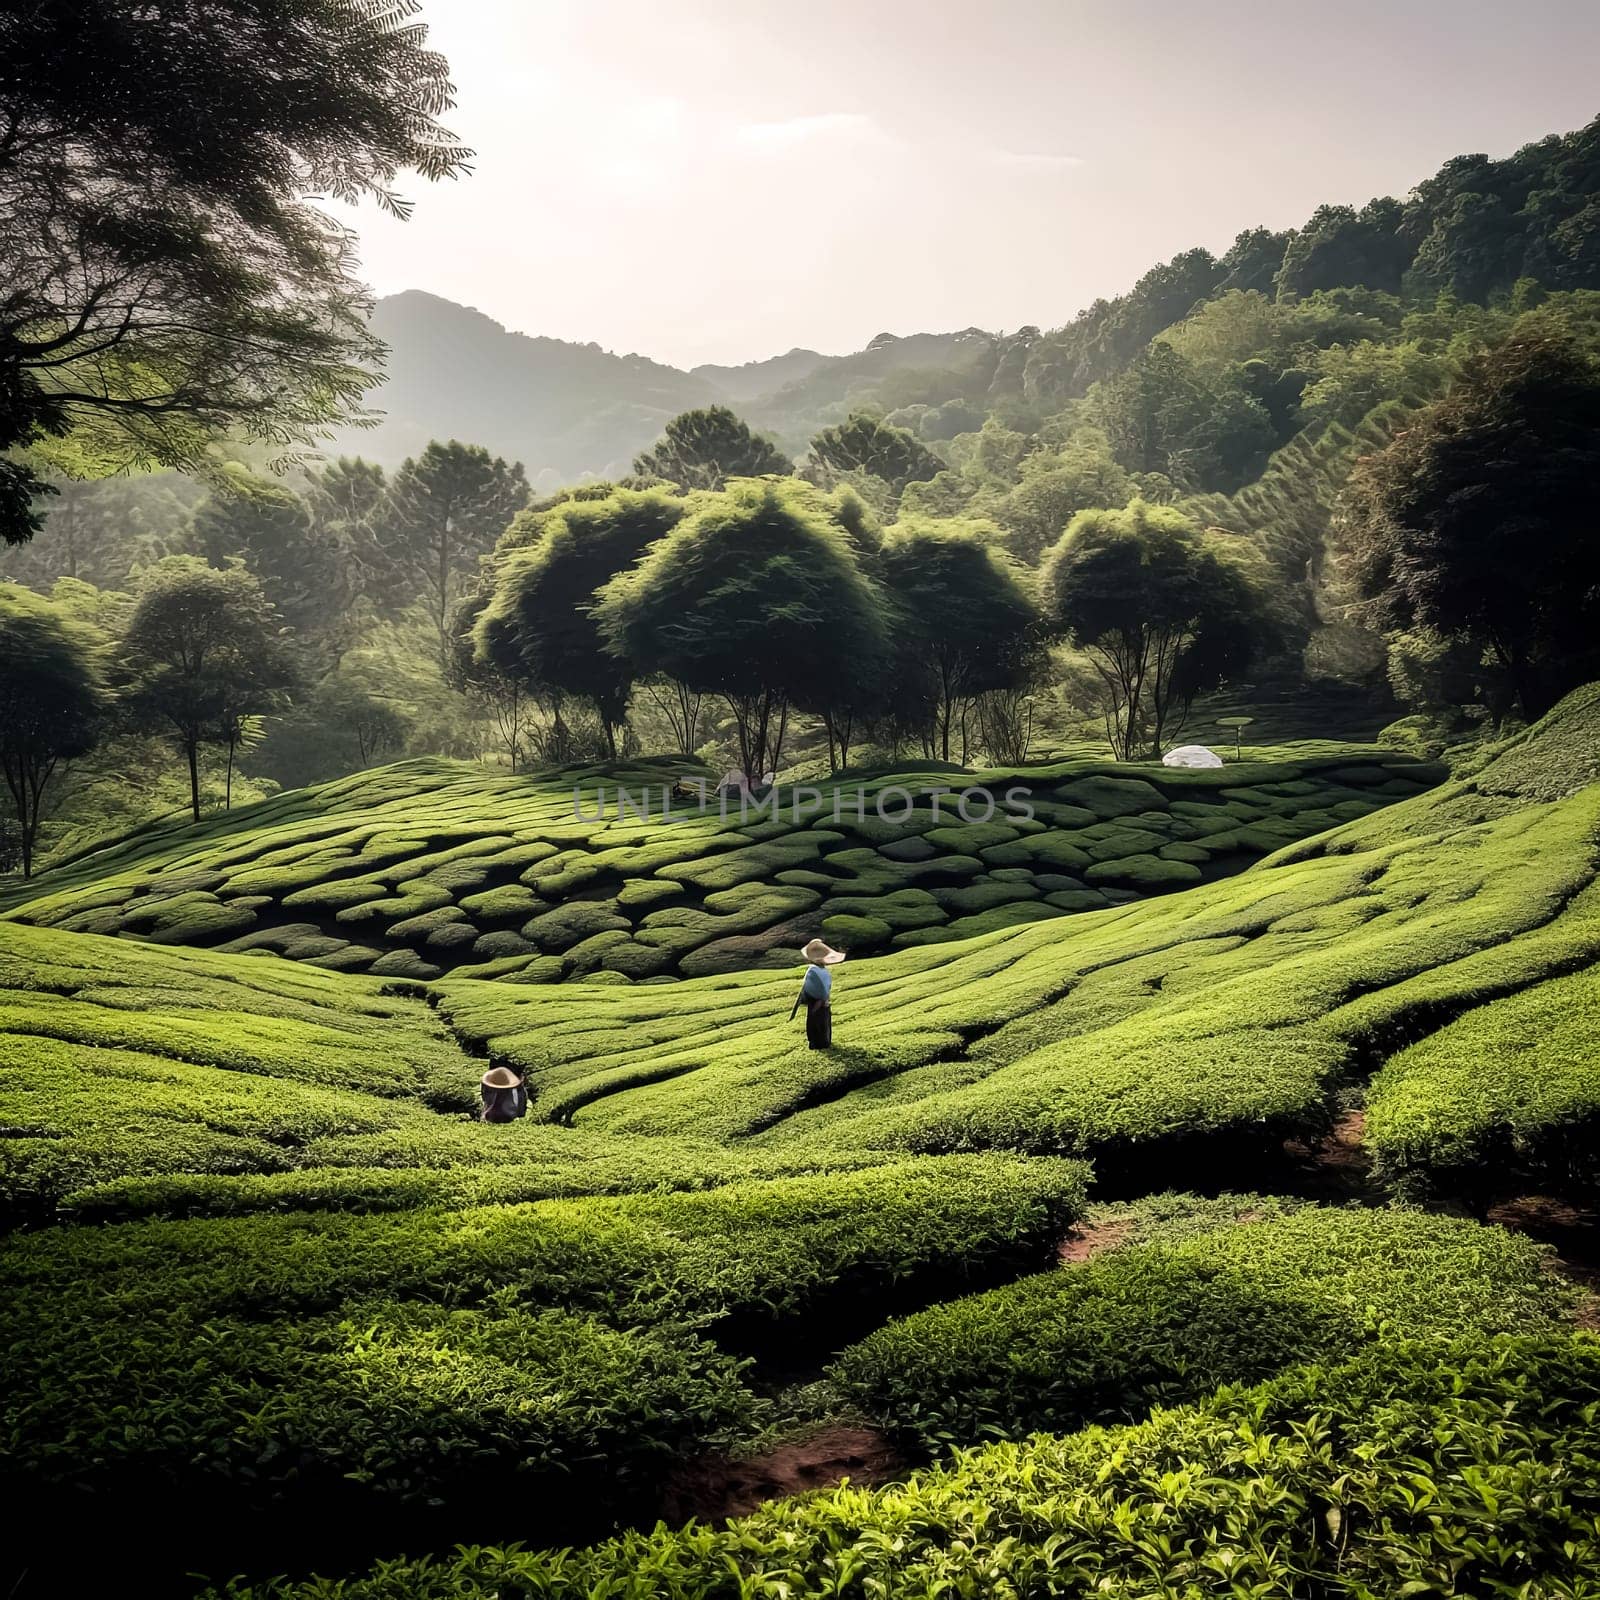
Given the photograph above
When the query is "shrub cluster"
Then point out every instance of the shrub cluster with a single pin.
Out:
(426, 1349)
(423, 869)
(1165, 1321)
(1405, 1472)
(1507, 1094)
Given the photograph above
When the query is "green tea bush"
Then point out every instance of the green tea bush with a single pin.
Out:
(760, 1251)
(446, 1351)
(417, 855)
(1166, 1321)
(1408, 1471)
(1142, 872)
(1508, 1093)
(387, 1395)
(544, 1163)
(558, 930)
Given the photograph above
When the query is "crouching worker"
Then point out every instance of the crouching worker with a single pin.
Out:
(504, 1098)
(817, 992)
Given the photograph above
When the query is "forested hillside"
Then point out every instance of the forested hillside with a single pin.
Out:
(1471, 232)
(1226, 407)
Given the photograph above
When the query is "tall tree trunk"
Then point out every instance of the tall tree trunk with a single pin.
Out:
(442, 619)
(689, 701)
(29, 820)
(192, 749)
(777, 741)
(227, 793)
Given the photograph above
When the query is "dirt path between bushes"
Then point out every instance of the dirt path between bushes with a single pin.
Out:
(1340, 1168)
(715, 1488)
(1082, 1244)
(1335, 1169)
(1573, 1232)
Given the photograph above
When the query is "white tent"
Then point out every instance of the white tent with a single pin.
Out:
(1191, 755)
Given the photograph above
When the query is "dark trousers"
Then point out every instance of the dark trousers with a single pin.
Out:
(819, 1024)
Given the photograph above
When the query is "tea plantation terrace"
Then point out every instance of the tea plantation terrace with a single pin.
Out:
(1223, 1019)
(1411, 1469)
(431, 868)
(264, 1266)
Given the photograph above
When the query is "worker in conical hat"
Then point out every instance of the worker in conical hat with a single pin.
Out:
(816, 989)
(504, 1098)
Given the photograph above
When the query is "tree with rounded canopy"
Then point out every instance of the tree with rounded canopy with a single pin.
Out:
(857, 692)
(704, 449)
(962, 619)
(756, 596)
(502, 699)
(348, 500)
(1477, 523)
(865, 443)
(269, 528)
(203, 652)
(1054, 486)
(1162, 611)
(449, 505)
(539, 624)
(52, 702)
(166, 280)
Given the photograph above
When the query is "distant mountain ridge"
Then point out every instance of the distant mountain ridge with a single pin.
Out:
(753, 379)
(568, 410)
(1480, 231)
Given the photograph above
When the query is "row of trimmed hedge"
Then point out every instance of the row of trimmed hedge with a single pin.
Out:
(1221, 1021)
(420, 1354)
(1161, 1322)
(1403, 1472)
(423, 869)
(1509, 1092)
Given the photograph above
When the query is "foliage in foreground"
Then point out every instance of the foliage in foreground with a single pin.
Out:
(567, 1342)
(1402, 1472)
(1161, 1322)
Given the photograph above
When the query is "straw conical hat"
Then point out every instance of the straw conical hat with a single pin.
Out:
(822, 955)
(501, 1078)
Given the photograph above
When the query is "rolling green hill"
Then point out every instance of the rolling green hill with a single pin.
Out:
(298, 1276)
(1175, 1028)
(431, 867)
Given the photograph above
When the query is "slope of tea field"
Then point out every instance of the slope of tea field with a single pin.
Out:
(1200, 1027)
(1414, 1470)
(431, 867)
(301, 1294)
(1222, 1019)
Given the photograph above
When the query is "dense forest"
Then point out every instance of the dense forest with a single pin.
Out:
(951, 513)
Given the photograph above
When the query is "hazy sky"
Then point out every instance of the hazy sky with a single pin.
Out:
(719, 180)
